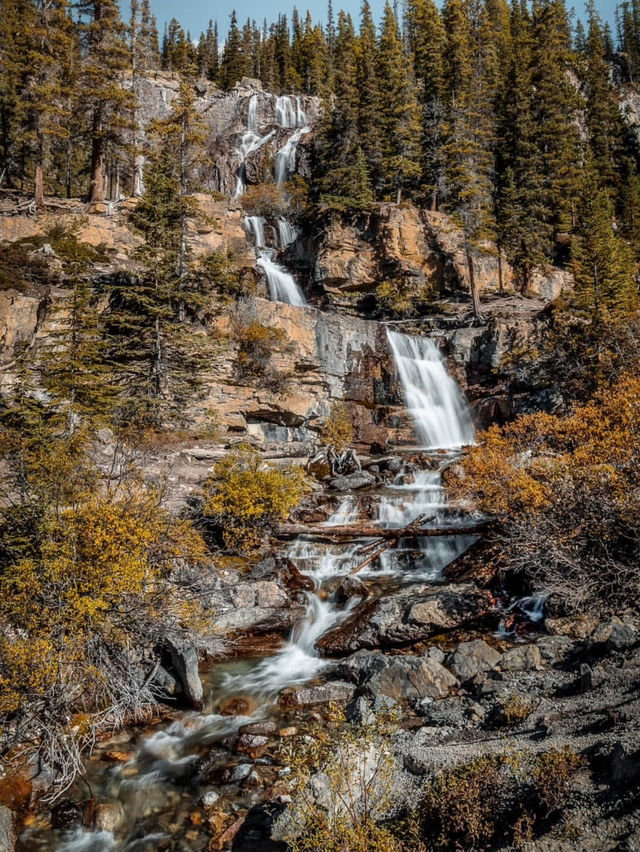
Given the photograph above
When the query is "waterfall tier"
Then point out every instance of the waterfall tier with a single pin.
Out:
(440, 413)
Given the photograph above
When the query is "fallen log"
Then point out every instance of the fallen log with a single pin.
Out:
(348, 531)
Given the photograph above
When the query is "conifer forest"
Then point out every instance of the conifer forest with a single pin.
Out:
(320, 428)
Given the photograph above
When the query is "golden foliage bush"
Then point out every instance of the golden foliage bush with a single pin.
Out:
(338, 431)
(257, 345)
(566, 494)
(245, 498)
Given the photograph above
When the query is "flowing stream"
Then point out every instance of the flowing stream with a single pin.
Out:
(156, 789)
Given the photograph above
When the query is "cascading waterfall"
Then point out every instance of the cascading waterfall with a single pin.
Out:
(439, 411)
(283, 287)
(289, 112)
(285, 164)
(287, 233)
(249, 141)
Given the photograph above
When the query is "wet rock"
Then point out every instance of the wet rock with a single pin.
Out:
(351, 587)
(184, 661)
(308, 696)
(408, 615)
(237, 774)
(292, 578)
(7, 830)
(251, 745)
(352, 481)
(472, 658)
(108, 816)
(208, 799)
(238, 705)
(66, 814)
(260, 620)
(522, 658)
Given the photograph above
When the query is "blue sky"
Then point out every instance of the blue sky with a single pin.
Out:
(194, 14)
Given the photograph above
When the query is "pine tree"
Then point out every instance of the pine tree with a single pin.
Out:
(151, 345)
(49, 51)
(556, 104)
(13, 51)
(368, 86)
(233, 66)
(524, 229)
(427, 39)
(105, 60)
(602, 263)
(468, 130)
(398, 114)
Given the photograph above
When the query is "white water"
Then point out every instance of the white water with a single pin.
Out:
(285, 164)
(287, 233)
(439, 411)
(282, 285)
(289, 112)
(249, 141)
(254, 225)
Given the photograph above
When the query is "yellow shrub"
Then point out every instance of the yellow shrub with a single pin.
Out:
(338, 431)
(246, 498)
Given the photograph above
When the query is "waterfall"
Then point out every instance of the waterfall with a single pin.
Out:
(286, 157)
(439, 411)
(254, 225)
(288, 115)
(287, 233)
(282, 285)
(249, 141)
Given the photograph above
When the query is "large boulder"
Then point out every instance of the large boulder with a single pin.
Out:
(409, 615)
(184, 662)
(472, 658)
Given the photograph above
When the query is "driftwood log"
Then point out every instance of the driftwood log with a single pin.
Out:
(359, 530)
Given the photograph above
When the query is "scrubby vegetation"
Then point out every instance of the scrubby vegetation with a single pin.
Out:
(564, 490)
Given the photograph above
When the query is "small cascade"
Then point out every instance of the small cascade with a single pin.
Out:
(285, 164)
(440, 413)
(249, 141)
(287, 233)
(283, 287)
(289, 112)
(254, 225)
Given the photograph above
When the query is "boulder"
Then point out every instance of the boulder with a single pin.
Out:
(408, 615)
(296, 697)
(108, 816)
(253, 745)
(576, 627)
(353, 481)
(350, 587)
(453, 712)
(184, 661)
(472, 658)
(408, 678)
(521, 658)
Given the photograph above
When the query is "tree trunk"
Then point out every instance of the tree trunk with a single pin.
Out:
(475, 298)
(38, 183)
(96, 186)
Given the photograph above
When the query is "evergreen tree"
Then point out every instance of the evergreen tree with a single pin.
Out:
(523, 219)
(233, 66)
(13, 51)
(208, 57)
(602, 263)
(555, 111)
(105, 59)
(398, 113)
(50, 48)
(368, 87)
(427, 39)
(151, 345)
